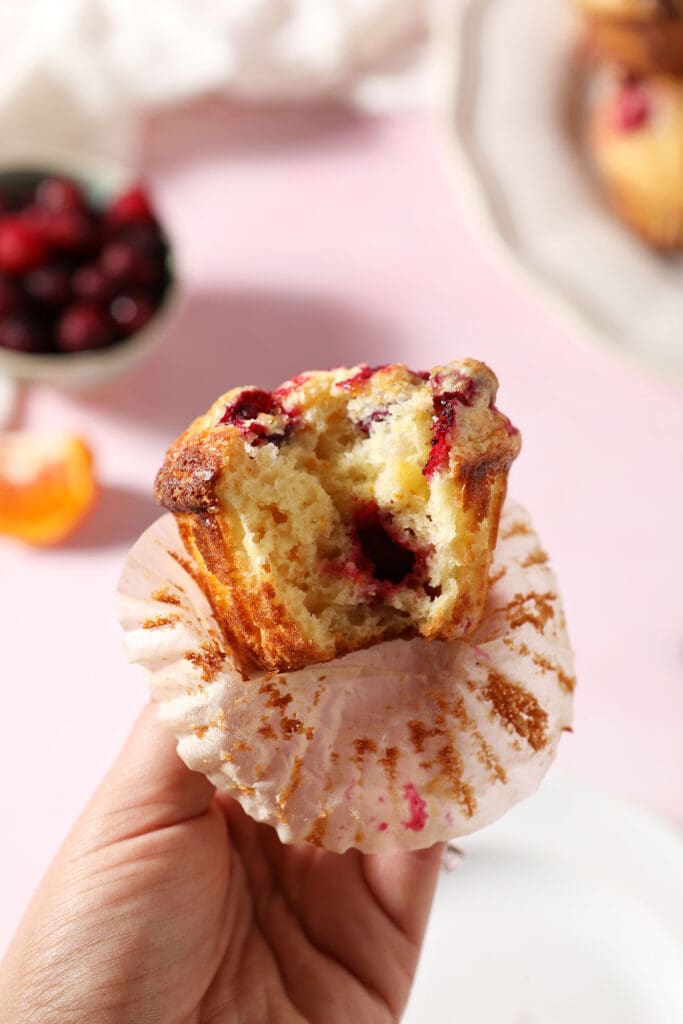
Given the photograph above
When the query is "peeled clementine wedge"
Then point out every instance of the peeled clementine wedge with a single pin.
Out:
(47, 485)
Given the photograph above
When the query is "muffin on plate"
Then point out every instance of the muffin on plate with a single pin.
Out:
(646, 36)
(635, 139)
(345, 508)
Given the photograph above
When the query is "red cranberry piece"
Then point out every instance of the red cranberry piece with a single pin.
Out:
(11, 297)
(122, 264)
(364, 374)
(90, 282)
(68, 230)
(49, 284)
(130, 312)
(118, 261)
(144, 237)
(21, 333)
(21, 247)
(82, 326)
(632, 108)
(130, 207)
(376, 416)
(441, 437)
(390, 561)
(464, 393)
(34, 217)
(277, 439)
(248, 405)
(445, 410)
(59, 195)
(257, 435)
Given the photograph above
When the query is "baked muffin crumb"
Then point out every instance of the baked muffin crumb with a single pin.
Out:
(344, 508)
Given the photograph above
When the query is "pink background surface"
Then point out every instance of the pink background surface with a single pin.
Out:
(309, 240)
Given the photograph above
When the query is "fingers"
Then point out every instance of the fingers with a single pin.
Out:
(403, 884)
(148, 787)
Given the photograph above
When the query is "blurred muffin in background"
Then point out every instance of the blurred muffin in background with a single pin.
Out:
(646, 36)
(635, 139)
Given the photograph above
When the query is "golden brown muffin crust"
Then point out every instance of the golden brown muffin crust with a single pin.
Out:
(344, 508)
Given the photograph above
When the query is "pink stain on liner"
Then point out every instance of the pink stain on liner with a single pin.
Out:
(417, 809)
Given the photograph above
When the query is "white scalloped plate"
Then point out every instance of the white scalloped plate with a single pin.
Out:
(8, 397)
(524, 179)
(569, 909)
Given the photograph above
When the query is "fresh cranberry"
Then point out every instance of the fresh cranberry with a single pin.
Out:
(131, 207)
(49, 284)
(118, 261)
(248, 405)
(130, 312)
(121, 264)
(632, 108)
(144, 237)
(11, 297)
(34, 217)
(21, 333)
(82, 326)
(60, 195)
(148, 271)
(21, 247)
(68, 230)
(89, 282)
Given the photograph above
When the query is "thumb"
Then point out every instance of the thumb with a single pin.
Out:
(147, 788)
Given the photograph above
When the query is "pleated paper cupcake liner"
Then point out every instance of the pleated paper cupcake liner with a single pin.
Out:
(398, 746)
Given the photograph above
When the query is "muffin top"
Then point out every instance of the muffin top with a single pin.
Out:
(636, 134)
(346, 507)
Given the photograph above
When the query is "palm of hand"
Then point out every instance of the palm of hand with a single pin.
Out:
(168, 904)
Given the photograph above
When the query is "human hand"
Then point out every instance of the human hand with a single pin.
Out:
(168, 905)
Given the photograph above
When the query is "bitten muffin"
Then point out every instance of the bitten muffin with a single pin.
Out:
(646, 36)
(345, 508)
(635, 138)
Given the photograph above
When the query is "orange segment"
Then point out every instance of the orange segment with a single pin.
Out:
(47, 485)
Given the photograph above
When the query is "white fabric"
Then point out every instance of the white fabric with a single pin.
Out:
(81, 70)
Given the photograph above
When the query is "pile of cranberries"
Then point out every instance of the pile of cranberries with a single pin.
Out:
(75, 276)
